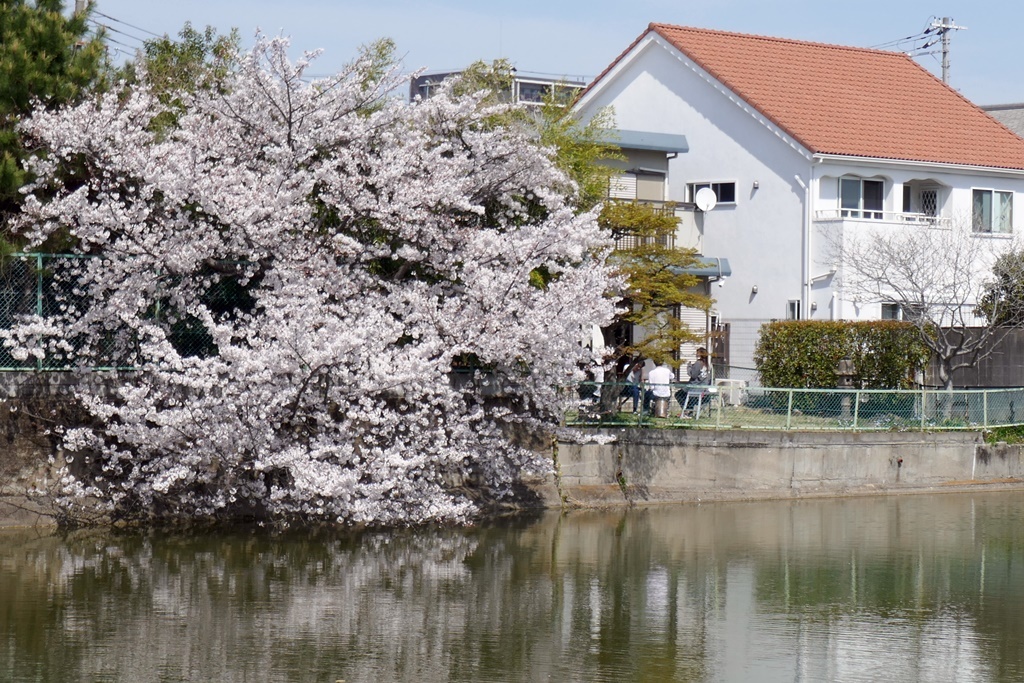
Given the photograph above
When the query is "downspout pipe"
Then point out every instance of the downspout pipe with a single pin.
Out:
(805, 294)
(805, 289)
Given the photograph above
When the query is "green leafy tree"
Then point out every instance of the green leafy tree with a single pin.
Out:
(656, 281)
(46, 56)
(195, 60)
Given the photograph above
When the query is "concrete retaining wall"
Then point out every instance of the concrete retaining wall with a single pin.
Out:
(651, 466)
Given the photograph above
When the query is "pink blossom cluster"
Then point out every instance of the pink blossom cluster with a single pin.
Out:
(378, 242)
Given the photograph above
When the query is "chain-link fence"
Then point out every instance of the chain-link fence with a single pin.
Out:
(736, 405)
(737, 375)
(49, 284)
(35, 285)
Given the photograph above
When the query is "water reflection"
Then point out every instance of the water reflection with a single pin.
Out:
(922, 588)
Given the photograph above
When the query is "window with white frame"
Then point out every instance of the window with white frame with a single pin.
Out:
(861, 198)
(725, 192)
(992, 211)
(892, 312)
(926, 203)
(793, 309)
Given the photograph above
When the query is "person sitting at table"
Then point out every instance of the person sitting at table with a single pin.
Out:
(699, 375)
(659, 380)
(634, 376)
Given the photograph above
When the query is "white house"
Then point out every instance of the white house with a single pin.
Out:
(800, 142)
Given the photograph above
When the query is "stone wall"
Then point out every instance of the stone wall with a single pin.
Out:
(633, 466)
(33, 406)
(653, 466)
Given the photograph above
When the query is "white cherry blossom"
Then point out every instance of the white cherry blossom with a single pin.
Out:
(377, 242)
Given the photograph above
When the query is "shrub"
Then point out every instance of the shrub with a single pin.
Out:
(805, 353)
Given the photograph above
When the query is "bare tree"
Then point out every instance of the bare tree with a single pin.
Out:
(937, 276)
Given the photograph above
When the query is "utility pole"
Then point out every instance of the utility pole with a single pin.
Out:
(944, 27)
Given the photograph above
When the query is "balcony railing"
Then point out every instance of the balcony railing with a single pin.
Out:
(902, 217)
(627, 242)
(674, 209)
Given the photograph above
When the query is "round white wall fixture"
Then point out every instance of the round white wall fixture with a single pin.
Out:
(705, 199)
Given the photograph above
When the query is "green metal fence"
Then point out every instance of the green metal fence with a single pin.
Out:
(48, 284)
(736, 406)
(34, 284)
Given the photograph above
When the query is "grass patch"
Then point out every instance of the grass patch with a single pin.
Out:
(1011, 435)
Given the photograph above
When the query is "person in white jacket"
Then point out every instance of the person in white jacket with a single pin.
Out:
(659, 381)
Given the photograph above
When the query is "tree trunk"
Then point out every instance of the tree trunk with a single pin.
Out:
(946, 377)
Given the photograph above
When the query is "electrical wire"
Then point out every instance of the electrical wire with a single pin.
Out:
(118, 42)
(137, 28)
(906, 39)
(118, 31)
(928, 30)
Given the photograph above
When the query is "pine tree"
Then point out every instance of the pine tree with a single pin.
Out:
(46, 56)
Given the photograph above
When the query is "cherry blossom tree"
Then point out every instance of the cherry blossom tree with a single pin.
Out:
(372, 241)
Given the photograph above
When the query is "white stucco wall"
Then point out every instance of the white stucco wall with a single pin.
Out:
(762, 232)
(765, 233)
(955, 189)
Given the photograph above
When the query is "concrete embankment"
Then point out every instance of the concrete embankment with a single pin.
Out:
(650, 466)
(642, 466)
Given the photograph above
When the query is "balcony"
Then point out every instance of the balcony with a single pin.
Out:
(687, 235)
(627, 242)
(867, 215)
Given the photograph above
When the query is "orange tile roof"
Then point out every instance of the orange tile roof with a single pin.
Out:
(850, 101)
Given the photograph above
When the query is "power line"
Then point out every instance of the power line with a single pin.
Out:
(118, 42)
(937, 31)
(137, 28)
(118, 31)
(900, 41)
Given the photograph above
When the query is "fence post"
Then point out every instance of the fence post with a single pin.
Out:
(718, 411)
(789, 410)
(39, 298)
(856, 408)
(924, 406)
(984, 408)
(642, 388)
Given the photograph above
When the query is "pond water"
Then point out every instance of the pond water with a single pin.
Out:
(914, 588)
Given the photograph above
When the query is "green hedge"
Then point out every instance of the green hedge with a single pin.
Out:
(805, 353)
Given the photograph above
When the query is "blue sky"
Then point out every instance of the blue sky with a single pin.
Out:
(576, 38)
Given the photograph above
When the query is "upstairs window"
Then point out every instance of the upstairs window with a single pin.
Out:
(539, 92)
(859, 198)
(927, 202)
(992, 211)
(622, 186)
(641, 184)
(725, 192)
(531, 92)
